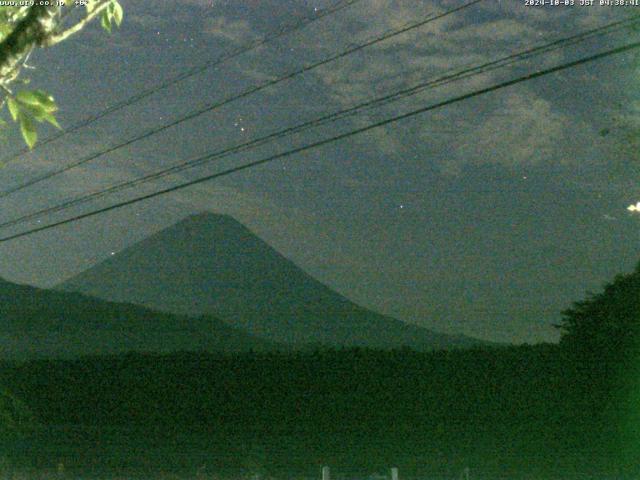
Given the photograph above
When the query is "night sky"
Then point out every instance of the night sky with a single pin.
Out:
(487, 217)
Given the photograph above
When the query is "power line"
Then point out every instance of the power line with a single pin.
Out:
(338, 6)
(442, 80)
(238, 96)
(493, 88)
(511, 59)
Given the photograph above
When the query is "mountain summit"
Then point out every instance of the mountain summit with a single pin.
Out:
(212, 264)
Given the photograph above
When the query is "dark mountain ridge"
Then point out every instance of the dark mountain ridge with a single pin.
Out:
(212, 264)
(38, 323)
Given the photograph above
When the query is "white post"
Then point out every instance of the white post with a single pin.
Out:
(325, 473)
(394, 473)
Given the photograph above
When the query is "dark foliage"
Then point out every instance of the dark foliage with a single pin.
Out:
(503, 410)
(607, 324)
(601, 337)
(543, 411)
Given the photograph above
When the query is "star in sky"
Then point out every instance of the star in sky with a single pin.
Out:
(465, 167)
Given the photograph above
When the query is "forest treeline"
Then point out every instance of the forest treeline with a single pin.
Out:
(527, 408)
(571, 408)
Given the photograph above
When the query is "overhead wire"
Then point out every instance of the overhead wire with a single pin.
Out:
(245, 93)
(394, 96)
(133, 99)
(326, 141)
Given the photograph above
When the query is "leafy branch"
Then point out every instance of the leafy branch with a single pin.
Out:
(23, 29)
(29, 106)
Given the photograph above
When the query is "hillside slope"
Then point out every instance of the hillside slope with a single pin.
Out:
(212, 264)
(38, 323)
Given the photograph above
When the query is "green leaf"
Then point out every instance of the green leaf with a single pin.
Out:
(36, 112)
(37, 98)
(49, 117)
(90, 5)
(46, 100)
(28, 130)
(118, 13)
(41, 115)
(14, 108)
(105, 21)
(5, 29)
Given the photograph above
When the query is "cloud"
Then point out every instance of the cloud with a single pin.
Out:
(147, 20)
(195, 3)
(431, 49)
(234, 31)
(512, 130)
(521, 130)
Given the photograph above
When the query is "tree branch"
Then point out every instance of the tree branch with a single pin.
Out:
(57, 38)
(30, 32)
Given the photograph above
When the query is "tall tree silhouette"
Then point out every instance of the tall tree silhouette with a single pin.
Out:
(606, 325)
(601, 336)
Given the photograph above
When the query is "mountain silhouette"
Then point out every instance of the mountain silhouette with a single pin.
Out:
(212, 264)
(38, 323)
